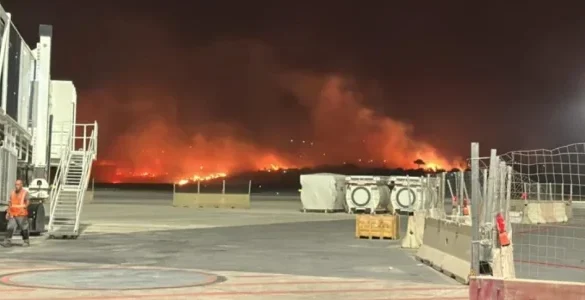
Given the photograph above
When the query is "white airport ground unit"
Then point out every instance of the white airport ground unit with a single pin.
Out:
(410, 193)
(367, 193)
(38, 130)
(323, 192)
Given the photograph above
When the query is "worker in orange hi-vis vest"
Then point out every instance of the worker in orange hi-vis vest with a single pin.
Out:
(17, 215)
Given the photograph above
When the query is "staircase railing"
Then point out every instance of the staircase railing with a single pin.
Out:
(89, 155)
(58, 181)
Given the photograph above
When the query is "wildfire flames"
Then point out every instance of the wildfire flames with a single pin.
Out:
(152, 137)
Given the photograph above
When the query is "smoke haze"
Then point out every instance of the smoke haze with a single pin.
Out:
(233, 105)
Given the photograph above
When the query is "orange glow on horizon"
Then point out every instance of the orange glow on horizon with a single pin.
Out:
(341, 129)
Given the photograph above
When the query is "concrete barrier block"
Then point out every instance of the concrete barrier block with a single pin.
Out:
(532, 214)
(515, 217)
(569, 210)
(541, 212)
(548, 211)
(484, 288)
(414, 230)
(211, 200)
(447, 248)
(559, 212)
(503, 261)
(436, 213)
(459, 219)
(517, 205)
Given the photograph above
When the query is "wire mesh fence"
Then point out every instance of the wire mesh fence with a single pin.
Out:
(540, 194)
(549, 239)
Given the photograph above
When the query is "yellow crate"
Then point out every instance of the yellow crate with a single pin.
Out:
(377, 226)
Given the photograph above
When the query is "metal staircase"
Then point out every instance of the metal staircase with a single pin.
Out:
(71, 181)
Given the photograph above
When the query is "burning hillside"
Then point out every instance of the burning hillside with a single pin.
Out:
(243, 110)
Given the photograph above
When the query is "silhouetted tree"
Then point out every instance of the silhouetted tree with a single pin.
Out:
(419, 162)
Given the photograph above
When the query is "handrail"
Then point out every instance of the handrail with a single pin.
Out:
(55, 191)
(88, 158)
(89, 150)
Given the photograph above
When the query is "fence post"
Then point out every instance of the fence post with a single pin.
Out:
(489, 207)
(174, 188)
(429, 196)
(453, 197)
(250, 187)
(474, 202)
(198, 186)
(538, 191)
(442, 192)
(550, 193)
(509, 171)
(223, 187)
(489, 213)
(485, 183)
(502, 185)
(408, 187)
(461, 191)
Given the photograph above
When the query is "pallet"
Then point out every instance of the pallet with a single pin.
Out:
(368, 211)
(377, 227)
(363, 237)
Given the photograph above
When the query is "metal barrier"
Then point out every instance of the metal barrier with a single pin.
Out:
(213, 194)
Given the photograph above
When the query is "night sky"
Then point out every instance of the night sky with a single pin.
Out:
(226, 85)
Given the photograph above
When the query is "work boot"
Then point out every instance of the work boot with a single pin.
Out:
(6, 243)
(26, 243)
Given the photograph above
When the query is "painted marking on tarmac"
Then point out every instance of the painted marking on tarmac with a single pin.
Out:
(12, 290)
(296, 282)
(408, 290)
(104, 228)
(425, 298)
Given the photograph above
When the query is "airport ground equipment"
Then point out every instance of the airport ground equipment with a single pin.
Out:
(370, 194)
(39, 133)
(412, 193)
(323, 192)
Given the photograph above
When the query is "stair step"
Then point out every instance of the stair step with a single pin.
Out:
(70, 188)
(65, 213)
(64, 220)
(65, 209)
(58, 228)
(63, 231)
(71, 222)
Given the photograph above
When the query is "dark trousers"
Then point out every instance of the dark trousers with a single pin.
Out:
(17, 223)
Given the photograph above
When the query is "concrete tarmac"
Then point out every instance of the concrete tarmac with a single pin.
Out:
(551, 251)
(134, 243)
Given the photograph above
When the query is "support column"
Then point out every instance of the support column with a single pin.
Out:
(41, 105)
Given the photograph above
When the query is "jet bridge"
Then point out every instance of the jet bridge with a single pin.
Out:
(38, 128)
